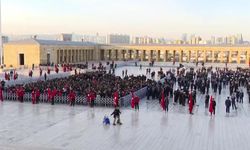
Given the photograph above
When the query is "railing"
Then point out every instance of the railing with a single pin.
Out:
(80, 100)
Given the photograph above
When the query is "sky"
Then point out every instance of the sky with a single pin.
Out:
(156, 18)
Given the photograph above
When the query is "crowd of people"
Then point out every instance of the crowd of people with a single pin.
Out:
(181, 85)
(88, 84)
(188, 83)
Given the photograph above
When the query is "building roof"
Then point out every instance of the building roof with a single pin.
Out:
(51, 42)
(185, 45)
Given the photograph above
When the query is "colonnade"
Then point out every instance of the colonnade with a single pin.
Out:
(74, 55)
(181, 55)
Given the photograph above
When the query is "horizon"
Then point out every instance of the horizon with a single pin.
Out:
(134, 18)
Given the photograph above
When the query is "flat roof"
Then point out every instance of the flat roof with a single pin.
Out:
(51, 42)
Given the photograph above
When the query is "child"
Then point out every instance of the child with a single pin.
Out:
(106, 120)
(116, 113)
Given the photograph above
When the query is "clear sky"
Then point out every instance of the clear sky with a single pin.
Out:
(158, 18)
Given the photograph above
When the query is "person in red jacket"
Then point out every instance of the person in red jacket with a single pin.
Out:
(137, 101)
(48, 70)
(37, 96)
(20, 94)
(191, 103)
(49, 94)
(33, 94)
(56, 69)
(116, 98)
(64, 68)
(53, 94)
(91, 97)
(72, 98)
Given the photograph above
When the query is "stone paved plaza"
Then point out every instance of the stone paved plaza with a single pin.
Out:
(26, 126)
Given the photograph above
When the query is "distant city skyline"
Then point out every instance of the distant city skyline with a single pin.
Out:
(158, 18)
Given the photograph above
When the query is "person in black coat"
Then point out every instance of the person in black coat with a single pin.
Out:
(116, 113)
(233, 103)
(228, 104)
(207, 101)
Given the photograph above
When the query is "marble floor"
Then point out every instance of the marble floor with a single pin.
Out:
(45, 127)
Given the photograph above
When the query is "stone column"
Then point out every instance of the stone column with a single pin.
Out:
(238, 56)
(174, 52)
(213, 56)
(149, 55)
(196, 55)
(158, 55)
(222, 56)
(180, 56)
(229, 56)
(67, 55)
(58, 56)
(204, 56)
(247, 57)
(166, 56)
(142, 55)
(189, 56)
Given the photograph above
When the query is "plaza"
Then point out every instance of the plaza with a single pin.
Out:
(60, 127)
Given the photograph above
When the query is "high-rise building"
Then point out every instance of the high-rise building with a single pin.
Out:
(5, 39)
(118, 39)
(184, 37)
(65, 37)
(94, 38)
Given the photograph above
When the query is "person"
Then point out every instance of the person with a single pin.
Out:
(106, 120)
(37, 96)
(33, 94)
(116, 113)
(116, 98)
(167, 102)
(48, 70)
(45, 76)
(191, 104)
(241, 96)
(228, 105)
(72, 98)
(220, 87)
(233, 103)
(163, 103)
(20, 94)
(212, 106)
(1, 94)
(41, 72)
(206, 101)
(53, 94)
(137, 101)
